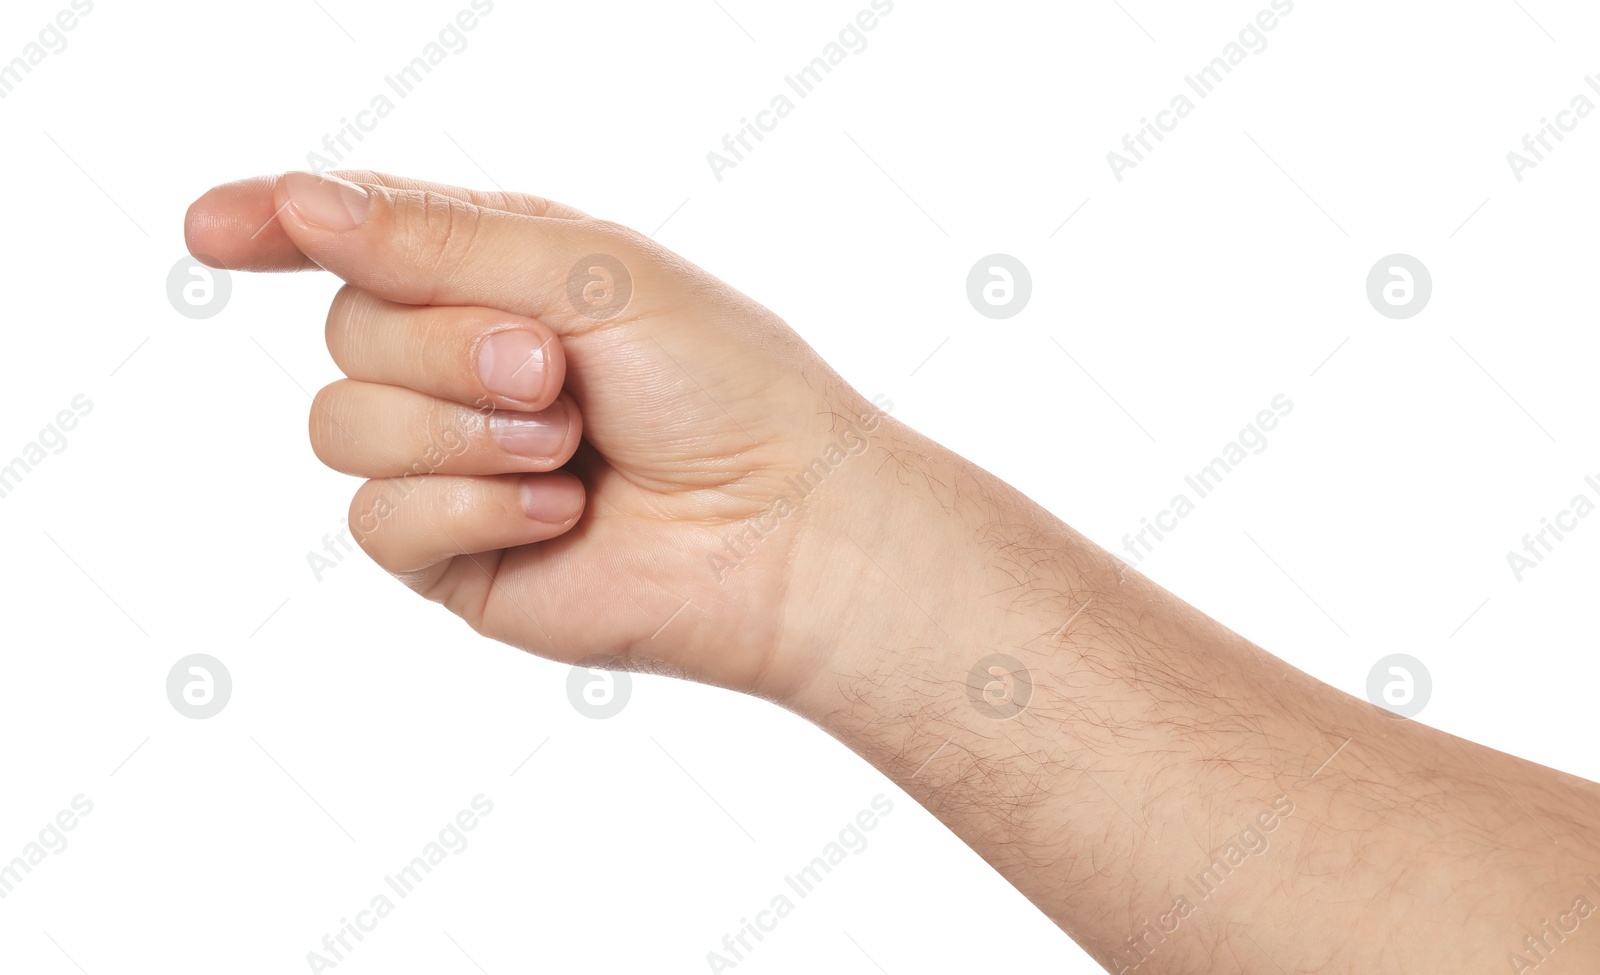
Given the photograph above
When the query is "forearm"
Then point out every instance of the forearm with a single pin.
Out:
(1154, 738)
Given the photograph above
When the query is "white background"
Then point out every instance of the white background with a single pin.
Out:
(1228, 268)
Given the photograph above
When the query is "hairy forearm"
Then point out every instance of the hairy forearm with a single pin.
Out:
(1172, 796)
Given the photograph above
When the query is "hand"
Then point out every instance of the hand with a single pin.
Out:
(577, 441)
(1145, 752)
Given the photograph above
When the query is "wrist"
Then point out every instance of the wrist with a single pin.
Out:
(914, 566)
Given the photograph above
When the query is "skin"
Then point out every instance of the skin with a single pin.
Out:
(1174, 797)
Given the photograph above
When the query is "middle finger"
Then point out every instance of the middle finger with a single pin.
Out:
(478, 356)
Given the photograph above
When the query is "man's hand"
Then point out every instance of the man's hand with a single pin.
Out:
(1175, 798)
(484, 334)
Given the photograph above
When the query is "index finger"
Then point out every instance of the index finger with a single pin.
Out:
(235, 225)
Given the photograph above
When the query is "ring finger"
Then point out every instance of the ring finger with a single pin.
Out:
(377, 431)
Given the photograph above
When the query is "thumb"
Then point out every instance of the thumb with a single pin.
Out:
(421, 247)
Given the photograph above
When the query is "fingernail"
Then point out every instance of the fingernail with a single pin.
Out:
(552, 500)
(538, 435)
(326, 202)
(511, 364)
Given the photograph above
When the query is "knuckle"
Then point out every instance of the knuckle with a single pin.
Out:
(358, 175)
(372, 507)
(440, 435)
(437, 428)
(324, 425)
(457, 500)
(391, 519)
(442, 235)
(427, 344)
(619, 240)
(343, 314)
(387, 518)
